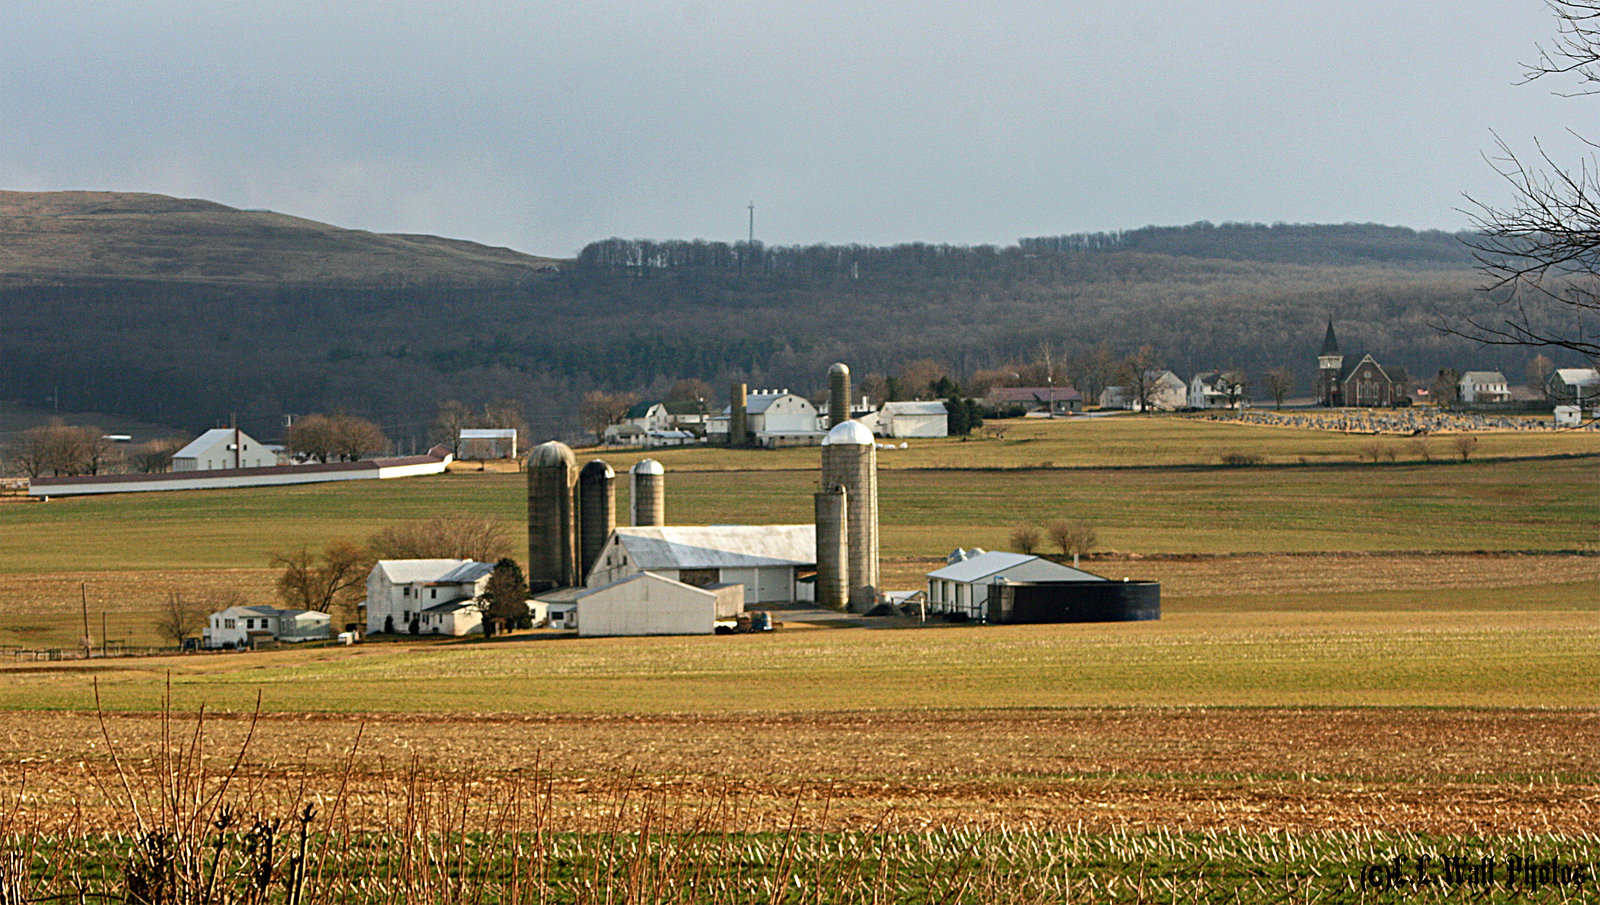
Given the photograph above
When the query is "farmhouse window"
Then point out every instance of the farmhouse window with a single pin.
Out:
(229, 623)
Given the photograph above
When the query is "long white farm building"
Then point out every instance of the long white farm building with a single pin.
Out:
(769, 560)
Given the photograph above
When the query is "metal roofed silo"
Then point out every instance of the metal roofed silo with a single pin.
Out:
(552, 528)
(850, 460)
(597, 512)
(647, 494)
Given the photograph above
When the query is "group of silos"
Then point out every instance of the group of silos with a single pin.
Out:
(847, 506)
(571, 513)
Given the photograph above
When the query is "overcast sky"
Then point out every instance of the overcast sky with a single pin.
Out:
(545, 126)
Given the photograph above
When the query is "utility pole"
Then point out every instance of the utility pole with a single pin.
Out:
(752, 223)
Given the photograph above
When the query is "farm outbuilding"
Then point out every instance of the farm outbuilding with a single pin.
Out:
(223, 447)
(913, 419)
(767, 559)
(962, 587)
(651, 604)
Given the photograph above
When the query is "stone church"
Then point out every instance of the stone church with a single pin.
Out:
(1362, 383)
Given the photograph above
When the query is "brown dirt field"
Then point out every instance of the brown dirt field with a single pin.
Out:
(1459, 772)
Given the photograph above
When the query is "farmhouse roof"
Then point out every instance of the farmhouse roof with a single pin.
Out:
(1483, 377)
(640, 409)
(1578, 377)
(438, 571)
(987, 565)
(1034, 394)
(719, 546)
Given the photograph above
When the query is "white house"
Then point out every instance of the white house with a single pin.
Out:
(1168, 393)
(913, 419)
(223, 447)
(1214, 389)
(246, 626)
(962, 586)
(434, 595)
(646, 603)
(767, 559)
(1484, 386)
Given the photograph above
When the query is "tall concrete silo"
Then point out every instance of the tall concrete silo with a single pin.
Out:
(597, 512)
(647, 494)
(738, 398)
(838, 394)
(552, 522)
(833, 548)
(850, 460)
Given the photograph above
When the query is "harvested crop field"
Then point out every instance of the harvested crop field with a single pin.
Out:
(1301, 770)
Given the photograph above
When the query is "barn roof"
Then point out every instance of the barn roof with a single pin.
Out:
(986, 565)
(719, 546)
(916, 408)
(210, 438)
(442, 571)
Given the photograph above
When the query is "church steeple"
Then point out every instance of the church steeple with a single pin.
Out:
(1330, 343)
(1330, 368)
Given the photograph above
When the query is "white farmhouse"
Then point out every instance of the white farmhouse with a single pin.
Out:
(223, 447)
(1167, 393)
(963, 585)
(913, 419)
(1484, 386)
(433, 596)
(649, 604)
(1215, 389)
(247, 626)
(767, 559)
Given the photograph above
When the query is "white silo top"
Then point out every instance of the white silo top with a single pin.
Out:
(552, 453)
(848, 433)
(839, 367)
(647, 466)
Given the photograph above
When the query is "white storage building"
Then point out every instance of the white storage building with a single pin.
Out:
(768, 560)
(244, 626)
(963, 585)
(223, 447)
(649, 604)
(913, 419)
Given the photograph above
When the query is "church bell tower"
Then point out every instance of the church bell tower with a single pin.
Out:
(1330, 364)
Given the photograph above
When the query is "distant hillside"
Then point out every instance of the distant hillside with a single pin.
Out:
(54, 236)
(185, 312)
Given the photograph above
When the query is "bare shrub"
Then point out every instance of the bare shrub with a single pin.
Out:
(1236, 459)
(1423, 447)
(1075, 538)
(1464, 444)
(457, 536)
(1026, 539)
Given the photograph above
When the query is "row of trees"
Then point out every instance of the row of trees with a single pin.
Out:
(58, 448)
(334, 438)
(454, 416)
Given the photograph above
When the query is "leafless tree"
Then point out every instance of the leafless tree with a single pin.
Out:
(1026, 539)
(1540, 254)
(178, 618)
(1140, 373)
(1464, 444)
(58, 448)
(1538, 374)
(458, 536)
(453, 416)
(1280, 383)
(336, 437)
(1073, 538)
(918, 377)
(1446, 386)
(690, 389)
(600, 409)
(328, 581)
(155, 456)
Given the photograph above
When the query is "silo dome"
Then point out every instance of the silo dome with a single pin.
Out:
(849, 433)
(647, 466)
(552, 453)
(839, 367)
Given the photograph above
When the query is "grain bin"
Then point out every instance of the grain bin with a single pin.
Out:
(850, 460)
(597, 512)
(833, 550)
(552, 522)
(647, 494)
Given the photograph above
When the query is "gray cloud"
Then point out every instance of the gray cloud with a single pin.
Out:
(543, 126)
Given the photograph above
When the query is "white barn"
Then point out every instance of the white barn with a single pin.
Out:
(913, 419)
(437, 594)
(963, 585)
(244, 626)
(767, 559)
(223, 447)
(649, 604)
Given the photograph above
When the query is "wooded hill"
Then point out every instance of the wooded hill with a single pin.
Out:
(182, 312)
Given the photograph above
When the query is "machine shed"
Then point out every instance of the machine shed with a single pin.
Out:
(651, 604)
(766, 559)
(962, 587)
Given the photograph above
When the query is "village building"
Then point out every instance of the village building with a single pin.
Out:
(241, 627)
(1361, 383)
(774, 563)
(1215, 390)
(1035, 400)
(775, 418)
(1574, 386)
(1166, 392)
(223, 447)
(426, 596)
(1480, 387)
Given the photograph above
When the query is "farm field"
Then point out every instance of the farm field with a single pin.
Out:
(1355, 661)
